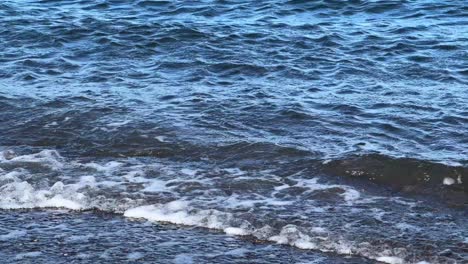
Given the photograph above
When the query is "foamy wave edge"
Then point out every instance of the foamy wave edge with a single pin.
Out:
(18, 194)
(179, 212)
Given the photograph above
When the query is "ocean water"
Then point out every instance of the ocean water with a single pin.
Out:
(233, 131)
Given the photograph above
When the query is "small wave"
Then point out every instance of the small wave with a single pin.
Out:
(292, 209)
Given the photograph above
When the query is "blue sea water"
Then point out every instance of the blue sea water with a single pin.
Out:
(288, 131)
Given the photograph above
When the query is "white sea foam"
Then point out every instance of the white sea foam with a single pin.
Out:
(156, 185)
(448, 181)
(390, 260)
(237, 201)
(350, 195)
(48, 158)
(316, 238)
(179, 212)
(176, 212)
(236, 231)
(290, 235)
(20, 194)
(106, 168)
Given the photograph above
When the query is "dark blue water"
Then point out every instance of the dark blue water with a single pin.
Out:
(336, 128)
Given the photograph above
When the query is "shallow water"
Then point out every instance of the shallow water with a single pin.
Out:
(56, 236)
(337, 130)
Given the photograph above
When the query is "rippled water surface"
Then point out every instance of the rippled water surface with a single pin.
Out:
(233, 131)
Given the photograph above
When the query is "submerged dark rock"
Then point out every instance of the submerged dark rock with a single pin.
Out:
(407, 175)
